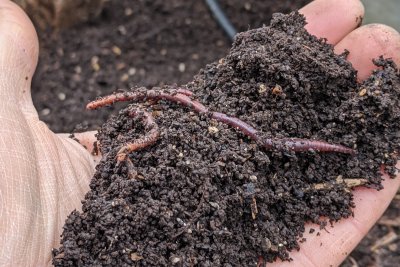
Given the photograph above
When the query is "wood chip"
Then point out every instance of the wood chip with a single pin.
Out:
(363, 92)
(277, 90)
(136, 257)
(116, 50)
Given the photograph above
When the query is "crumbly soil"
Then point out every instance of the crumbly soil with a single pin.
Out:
(205, 194)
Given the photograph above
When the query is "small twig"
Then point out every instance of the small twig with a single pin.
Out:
(254, 209)
(385, 240)
(353, 262)
(389, 222)
(349, 182)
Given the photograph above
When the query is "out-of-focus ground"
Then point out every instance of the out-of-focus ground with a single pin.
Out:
(383, 11)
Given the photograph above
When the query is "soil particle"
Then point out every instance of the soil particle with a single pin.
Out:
(215, 198)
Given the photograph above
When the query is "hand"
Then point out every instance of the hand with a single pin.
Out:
(45, 175)
(337, 21)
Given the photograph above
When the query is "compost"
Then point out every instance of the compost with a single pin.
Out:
(197, 190)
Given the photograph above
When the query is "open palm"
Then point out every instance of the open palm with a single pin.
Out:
(44, 175)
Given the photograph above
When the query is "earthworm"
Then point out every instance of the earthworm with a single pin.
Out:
(182, 97)
(294, 144)
(172, 95)
(300, 145)
(150, 138)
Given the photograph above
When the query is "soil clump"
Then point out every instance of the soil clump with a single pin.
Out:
(205, 194)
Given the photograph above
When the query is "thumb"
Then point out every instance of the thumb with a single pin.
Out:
(43, 176)
(18, 58)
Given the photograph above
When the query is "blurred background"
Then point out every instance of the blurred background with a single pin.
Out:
(383, 11)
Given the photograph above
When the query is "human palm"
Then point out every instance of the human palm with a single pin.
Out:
(44, 175)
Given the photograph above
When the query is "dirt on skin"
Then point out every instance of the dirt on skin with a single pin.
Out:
(206, 195)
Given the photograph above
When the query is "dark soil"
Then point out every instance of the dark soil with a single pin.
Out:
(146, 42)
(192, 199)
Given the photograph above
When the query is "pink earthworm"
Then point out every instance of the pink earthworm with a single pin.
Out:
(183, 97)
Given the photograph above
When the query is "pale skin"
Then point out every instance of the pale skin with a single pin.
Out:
(45, 175)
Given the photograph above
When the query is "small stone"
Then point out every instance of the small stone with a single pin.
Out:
(363, 92)
(253, 178)
(132, 71)
(180, 155)
(213, 130)
(266, 245)
(121, 65)
(76, 77)
(142, 72)
(247, 6)
(195, 56)
(180, 221)
(214, 205)
(124, 77)
(61, 96)
(45, 112)
(221, 164)
(95, 63)
(182, 67)
(78, 69)
(392, 247)
(163, 52)
(157, 113)
(220, 43)
(274, 248)
(122, 30)
(128, 11)
(175, 260)
(262, 88)
(116, 50)
(60, 51)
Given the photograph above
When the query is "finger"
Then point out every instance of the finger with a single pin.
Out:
(19, 55)
(335, 244)
(88, 140)
(333, 19)
(369, 42)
